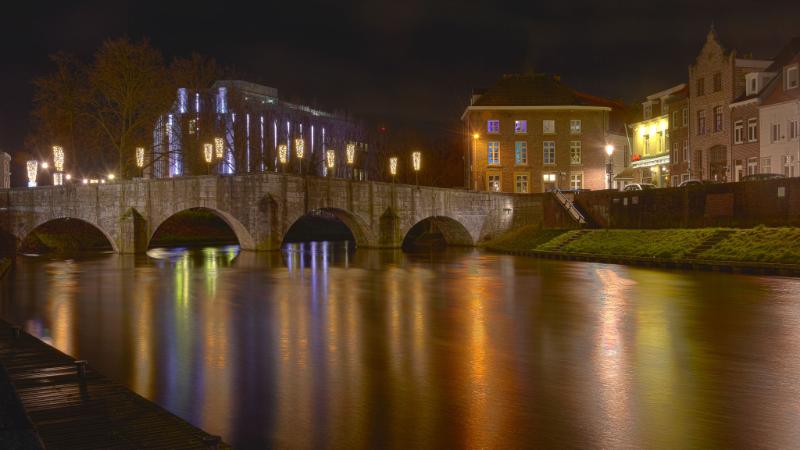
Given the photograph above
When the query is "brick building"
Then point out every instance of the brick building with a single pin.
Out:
(678, 110)
(779, 114)
(716, 78)
(532, 133)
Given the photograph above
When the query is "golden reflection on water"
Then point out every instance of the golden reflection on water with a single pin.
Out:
(320, 347)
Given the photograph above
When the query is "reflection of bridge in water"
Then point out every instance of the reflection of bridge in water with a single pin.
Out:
(260, 208)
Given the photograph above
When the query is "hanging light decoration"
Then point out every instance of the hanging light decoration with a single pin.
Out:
(218, 147)
(299, 147)
(393, 165)
(350, 152)
(330, 158)
(58, 158)
(283, 153)
(208, 152)
(416, 158)
(140, 157)
(33, 167)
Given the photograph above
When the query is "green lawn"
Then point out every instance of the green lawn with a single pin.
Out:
(760, 244)
(668, 244)
(523, 238)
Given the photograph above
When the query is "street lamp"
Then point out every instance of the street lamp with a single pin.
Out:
(393, 167)
(283, 156)
(299, 151)
(139, 159)
(58, 163)
(609, 164)
(33, 167)
(330, 159)
(208, 153)
(416, 159)
(350, 152)
(111, 177)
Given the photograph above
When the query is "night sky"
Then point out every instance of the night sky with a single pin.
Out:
(412, 62)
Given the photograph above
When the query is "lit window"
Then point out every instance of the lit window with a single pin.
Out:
(549, 177)
(521, 184)
(575, 152)
(520, 126)
(575, 126)
(493, 152)
(738, 132)
(792, 77)
(493, 126)
(494, 183)
(548, 126)
(752, 130)
(521, 152)
(549, 152)
(576, 180)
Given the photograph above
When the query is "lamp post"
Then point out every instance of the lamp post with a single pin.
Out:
(208, 154)
(609, 164)
(139, 160)
(416, 159)
(393, 167)
(299, 151)
(283, 156)
(350, 153)
(330, 159)
(32, 166)
(58, 163)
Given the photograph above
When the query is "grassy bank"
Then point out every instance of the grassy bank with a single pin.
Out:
(757, 245)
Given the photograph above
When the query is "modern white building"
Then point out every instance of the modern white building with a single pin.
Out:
(779, 115)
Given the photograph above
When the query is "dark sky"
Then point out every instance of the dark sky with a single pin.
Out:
(405, 60)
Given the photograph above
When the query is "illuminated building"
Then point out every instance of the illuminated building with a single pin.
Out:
(248, 123)
(532, 133)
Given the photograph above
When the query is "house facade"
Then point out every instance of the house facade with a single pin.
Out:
(716, 78)
(532, 133)
(779, 114)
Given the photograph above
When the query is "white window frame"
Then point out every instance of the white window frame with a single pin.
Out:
(674, 119)
(548, 126)
(791, 76)
(685, 150)
(752, 166)
(794, 129)
(493, 153)
(685, 118)
(766, 165)
(575, 148)
(489, 184)
(775, 132)
(549, 153)
(525, 179)
(521, 145)
(520, 127)
(575, 126)
(738, 132)
(752, 130)
(491, 129)
(572, 179)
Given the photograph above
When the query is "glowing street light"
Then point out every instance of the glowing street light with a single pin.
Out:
(85, 181)
(33, 167)
(416, 159)
(68, 177)
(609, 165)
(45, 165)
(111, 177)
(330, 159)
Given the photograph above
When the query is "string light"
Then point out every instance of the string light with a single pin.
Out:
(283, 153)
(416, 158)
(218, 147)
(299, 147)
(33, 167)
(139, 157)
(58, 158)
(393, 165)
(208, 152)
(330, 157)
(350, 152)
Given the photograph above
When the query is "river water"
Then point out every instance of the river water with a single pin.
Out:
(321, 346)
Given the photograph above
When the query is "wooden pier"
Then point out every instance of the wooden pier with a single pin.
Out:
(65, 404)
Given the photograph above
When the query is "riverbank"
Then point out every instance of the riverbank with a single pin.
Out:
(755, 250)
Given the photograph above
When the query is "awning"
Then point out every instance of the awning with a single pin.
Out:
(628, 173)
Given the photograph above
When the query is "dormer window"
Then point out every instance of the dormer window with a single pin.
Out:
(648, 110)
(752, 83)
(791, 77)
(753, 86)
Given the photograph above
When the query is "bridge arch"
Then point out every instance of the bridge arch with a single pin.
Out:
(360, 229)
(26, 233)
(453, 231)
(245, 238)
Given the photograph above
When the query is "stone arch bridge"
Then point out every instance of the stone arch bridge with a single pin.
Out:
(260, 208)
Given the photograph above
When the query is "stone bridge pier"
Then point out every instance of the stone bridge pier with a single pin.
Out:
(260, 208)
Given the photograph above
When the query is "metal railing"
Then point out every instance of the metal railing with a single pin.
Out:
(569, 206)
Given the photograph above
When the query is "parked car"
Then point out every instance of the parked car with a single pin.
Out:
(695, 183)
(639, 187)
(763, 176)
